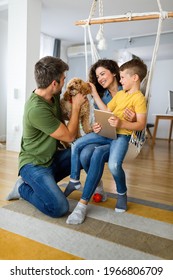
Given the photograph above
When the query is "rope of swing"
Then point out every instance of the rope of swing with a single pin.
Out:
(137, 137)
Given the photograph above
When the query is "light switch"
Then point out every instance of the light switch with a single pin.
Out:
(16, 93)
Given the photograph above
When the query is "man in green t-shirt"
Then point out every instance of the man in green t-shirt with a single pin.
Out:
(41, 163)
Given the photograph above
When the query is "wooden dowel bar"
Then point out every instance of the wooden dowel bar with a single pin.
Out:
(122, 19)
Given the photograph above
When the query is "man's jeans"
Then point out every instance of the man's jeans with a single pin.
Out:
(40, 185)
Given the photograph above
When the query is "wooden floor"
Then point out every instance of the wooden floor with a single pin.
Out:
(149, 177)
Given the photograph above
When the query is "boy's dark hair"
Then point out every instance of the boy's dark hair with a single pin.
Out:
(47, 69)
(135, 66)
(109, 64)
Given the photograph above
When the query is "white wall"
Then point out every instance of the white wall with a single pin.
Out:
(24, 16)
(77, 67)
(3, 79)
(162, 81)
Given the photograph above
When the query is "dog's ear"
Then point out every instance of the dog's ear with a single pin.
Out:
(86, 88)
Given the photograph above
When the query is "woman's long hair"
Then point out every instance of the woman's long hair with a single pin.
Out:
(109, 64)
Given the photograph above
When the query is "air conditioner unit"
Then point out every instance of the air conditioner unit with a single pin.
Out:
(77, 51)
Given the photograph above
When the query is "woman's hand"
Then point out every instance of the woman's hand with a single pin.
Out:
(96, 127)
(129, 115)
(94, 92)
(101, 105)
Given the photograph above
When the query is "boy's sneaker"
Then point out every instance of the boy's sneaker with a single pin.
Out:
(121, 205)
(101, 191)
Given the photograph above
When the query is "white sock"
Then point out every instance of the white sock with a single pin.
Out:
(72, 186)
(14, 194)
(78, 214)
(74, 181)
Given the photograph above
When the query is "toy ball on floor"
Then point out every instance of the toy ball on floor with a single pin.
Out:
(97, 197)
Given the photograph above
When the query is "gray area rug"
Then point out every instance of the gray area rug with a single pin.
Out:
(103, 235)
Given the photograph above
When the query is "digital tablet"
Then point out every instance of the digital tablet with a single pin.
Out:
(102, 118)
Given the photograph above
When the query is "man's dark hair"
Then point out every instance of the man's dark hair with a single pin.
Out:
(47, 69)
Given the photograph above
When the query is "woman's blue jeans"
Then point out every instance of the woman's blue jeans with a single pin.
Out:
(92, 151)
(40, 185)
(93, 164)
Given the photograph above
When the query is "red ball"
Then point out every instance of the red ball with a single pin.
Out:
(97, 197)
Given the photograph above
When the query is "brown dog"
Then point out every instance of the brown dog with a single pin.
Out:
(75, 86)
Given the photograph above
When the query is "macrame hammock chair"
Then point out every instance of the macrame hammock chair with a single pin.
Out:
(138, 138)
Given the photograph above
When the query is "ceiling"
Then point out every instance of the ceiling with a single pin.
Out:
(59, 17)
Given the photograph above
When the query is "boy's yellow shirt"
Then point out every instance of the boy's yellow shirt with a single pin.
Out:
(135, 101)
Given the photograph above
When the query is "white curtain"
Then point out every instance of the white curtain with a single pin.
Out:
(46, 45)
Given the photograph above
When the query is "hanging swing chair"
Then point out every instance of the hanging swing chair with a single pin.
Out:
(138, 138)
